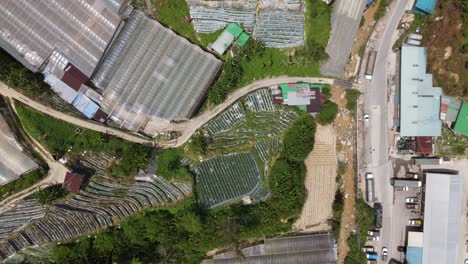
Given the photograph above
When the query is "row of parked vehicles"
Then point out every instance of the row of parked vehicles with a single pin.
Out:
(371, 255)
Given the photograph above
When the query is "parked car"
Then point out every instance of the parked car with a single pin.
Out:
(384, 254)
(415, 222)
(366, 120)
(411, 199)
(401, 248)
(367, 249)
(411, 206)
(401, 188)
(372, 256)
(373, 238)
(373, 233)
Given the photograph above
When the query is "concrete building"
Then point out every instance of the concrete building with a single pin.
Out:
(419, 100)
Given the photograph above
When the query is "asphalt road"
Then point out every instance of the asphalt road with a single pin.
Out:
(376, 143)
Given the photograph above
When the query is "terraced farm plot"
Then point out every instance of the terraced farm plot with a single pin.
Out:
(260, 101)
(228, 178)
(235, 115)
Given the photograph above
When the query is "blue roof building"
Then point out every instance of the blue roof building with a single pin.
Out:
(414, 255)
(424, 6)
(419, 100)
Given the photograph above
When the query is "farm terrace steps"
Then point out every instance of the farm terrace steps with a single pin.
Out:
(100, 205)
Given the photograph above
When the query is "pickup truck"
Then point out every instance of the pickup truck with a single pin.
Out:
(373, 233)
(415, 222)
(373, 238)
(401, 188)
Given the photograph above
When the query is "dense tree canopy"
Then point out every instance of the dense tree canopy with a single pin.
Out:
(299, 139)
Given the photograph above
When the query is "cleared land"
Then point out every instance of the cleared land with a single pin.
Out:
(321, 168)
(446, 59)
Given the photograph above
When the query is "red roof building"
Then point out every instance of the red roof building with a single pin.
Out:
(424, 145)
(74, 77)
(73, 182)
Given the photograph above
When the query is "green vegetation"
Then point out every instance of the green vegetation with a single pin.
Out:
(20, 184)
(299, 139)
(451, 144)
(328, 113)
(63, 138)
(172, 14)
(381, 10)
(365, 221)
(170, 166)
(351, 99)
(337, 209)
(50, 194)
(13, 74)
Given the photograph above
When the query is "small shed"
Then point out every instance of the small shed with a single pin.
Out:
(85, 105)
(424, 6)
(74, 77)
(449, 108)
(243, 38)
(234, 29)
(73, 182)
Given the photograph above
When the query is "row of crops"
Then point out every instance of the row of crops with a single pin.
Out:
(244, 140)
(226, 178)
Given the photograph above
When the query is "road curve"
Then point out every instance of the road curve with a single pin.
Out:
(186, 129)
(189, 127)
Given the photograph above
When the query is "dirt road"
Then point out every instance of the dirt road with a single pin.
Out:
(56, 174)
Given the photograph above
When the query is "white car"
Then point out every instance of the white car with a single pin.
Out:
(401, 188)
(367, 249)
(366, 120)
(411, 199)
(384, 254)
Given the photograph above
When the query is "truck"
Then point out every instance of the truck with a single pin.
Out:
(369, 72)
(415, 36)
(371, 256)
(427, 161)
(404, 182)
(413, 42)
(370, 187)
(378, 215)
(412, 206)
(415, 222)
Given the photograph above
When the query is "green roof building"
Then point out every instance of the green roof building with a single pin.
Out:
(461, 126)
(306, 96)
(234, 29)
(243, 38)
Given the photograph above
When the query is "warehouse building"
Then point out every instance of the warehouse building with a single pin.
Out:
(442, 203)
(307, 248)
(150, 71)
(419, 100)
(13, 162)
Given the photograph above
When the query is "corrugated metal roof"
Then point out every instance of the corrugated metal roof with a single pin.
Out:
(420, 101)
(79, 29)
(449, 108)
(242, 40)
(425, 6)
(83, 104)
(13, 162)
(414, 255)
(154, 72)
(223, 42)
(415, 239)
(443, 212)
(461, 126)
(61, 88)
(234, 29)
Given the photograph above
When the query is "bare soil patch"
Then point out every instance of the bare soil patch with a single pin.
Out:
(344, 127)
(443, 37)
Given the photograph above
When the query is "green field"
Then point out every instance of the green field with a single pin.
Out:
(20, 184)
(62, 138)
